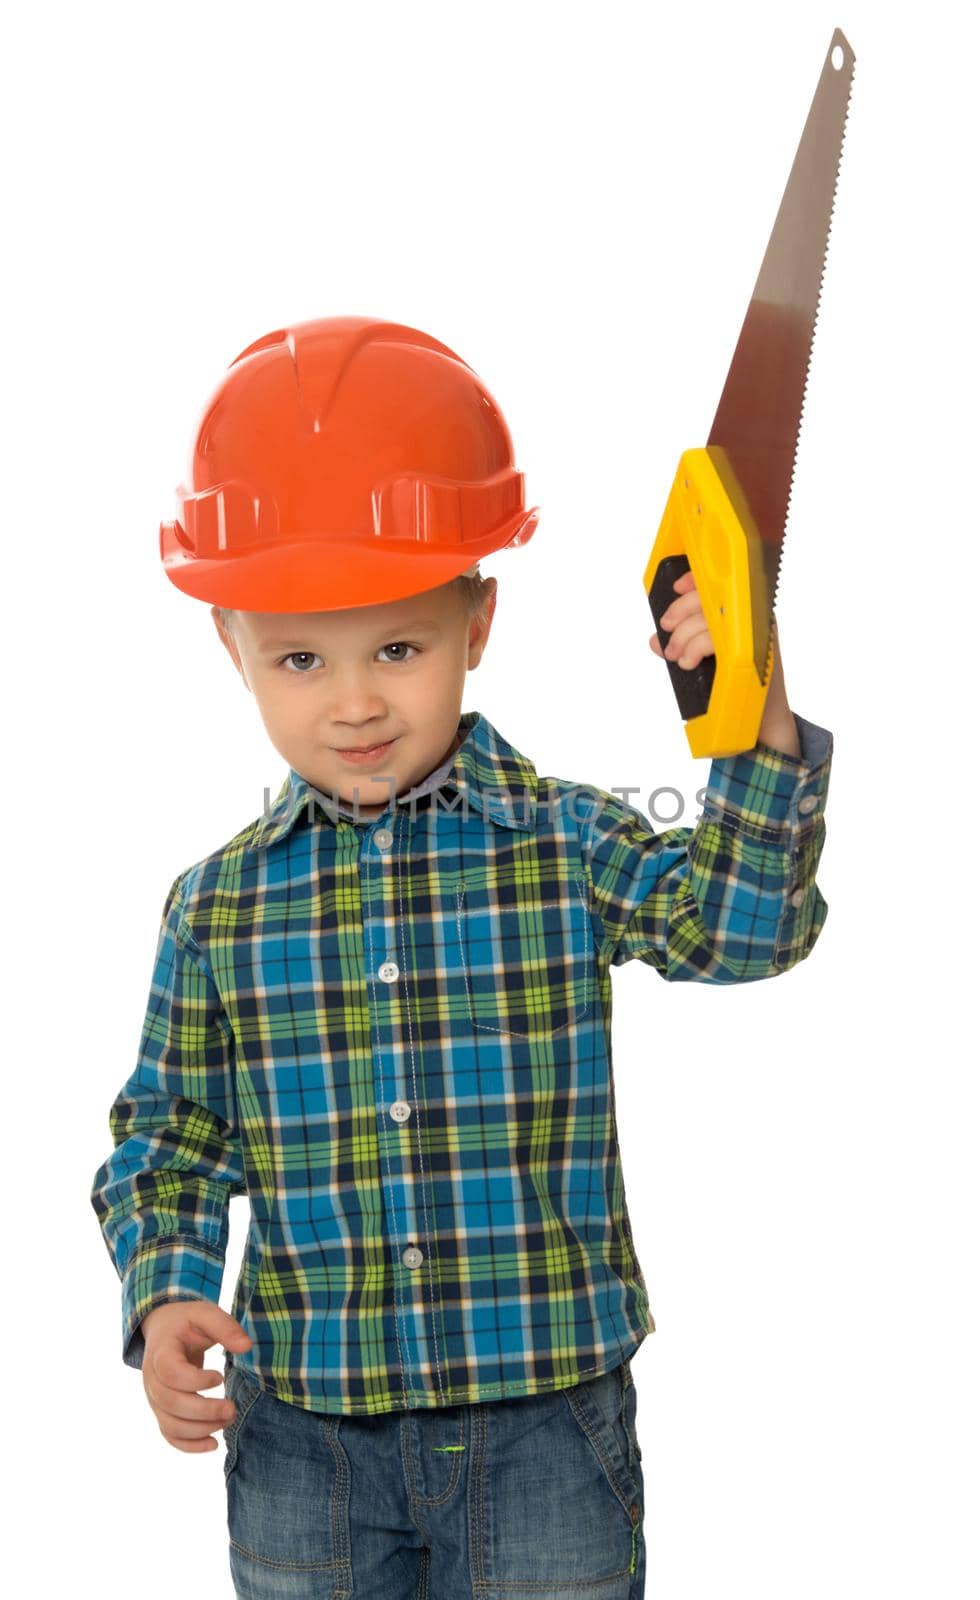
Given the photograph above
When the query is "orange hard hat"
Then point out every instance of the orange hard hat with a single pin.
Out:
(343, 462)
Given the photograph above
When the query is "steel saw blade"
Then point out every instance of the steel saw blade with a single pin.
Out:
(754, 436)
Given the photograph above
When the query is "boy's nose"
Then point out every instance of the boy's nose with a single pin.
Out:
(352, 708)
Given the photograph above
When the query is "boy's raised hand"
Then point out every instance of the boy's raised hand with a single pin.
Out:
(690, 640)
(176, 1336)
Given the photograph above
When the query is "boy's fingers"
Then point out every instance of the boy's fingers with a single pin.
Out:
(193, 1408)
(686, 628)
(171, 1369)
(687, 652)
(693, 650)
(686, 605)
(173, 1427)
(217, 1325)
(694, 631)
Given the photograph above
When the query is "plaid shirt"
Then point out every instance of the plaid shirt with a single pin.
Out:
(393, 1035)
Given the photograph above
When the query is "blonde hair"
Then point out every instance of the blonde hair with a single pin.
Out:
(472, 585)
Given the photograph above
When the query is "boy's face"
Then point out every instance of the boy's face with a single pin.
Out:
(329, 681)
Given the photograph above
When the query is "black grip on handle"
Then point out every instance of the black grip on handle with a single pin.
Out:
(691, 685)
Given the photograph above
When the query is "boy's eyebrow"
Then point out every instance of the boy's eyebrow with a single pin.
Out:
(414, 625)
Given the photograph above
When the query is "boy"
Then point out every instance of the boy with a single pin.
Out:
(382, 1012)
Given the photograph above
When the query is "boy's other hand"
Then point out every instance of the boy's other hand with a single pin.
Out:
(176, 1336)
(689, 640)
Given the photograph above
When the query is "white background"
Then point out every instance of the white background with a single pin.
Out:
(576, 199)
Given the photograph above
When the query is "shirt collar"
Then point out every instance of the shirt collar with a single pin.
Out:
(495, 777)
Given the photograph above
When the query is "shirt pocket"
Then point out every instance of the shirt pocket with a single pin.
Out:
(527, 953)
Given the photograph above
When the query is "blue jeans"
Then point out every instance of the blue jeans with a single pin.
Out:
(540, 1497)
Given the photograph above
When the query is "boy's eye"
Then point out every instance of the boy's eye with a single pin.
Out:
(308, 656)
(299, 655)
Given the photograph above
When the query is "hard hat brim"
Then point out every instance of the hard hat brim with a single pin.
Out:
(309, 575)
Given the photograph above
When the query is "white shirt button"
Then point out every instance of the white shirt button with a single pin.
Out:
(412, 1257)
(388, 971)
(383, 838)
(400, 1110)
(807, 804)
(797, 897)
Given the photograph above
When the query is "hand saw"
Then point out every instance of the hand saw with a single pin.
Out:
(725, 517)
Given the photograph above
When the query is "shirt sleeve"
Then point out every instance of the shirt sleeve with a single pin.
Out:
(162, 1196)
(733, 899)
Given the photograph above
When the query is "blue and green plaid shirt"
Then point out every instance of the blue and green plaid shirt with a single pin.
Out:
(393, 1035)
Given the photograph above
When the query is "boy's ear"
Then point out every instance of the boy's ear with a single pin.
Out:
(480, 627)
(230, 644)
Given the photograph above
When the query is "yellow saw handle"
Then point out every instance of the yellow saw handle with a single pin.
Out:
(707, 525)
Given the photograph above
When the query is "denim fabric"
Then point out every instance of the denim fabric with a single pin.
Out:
(540, 1496)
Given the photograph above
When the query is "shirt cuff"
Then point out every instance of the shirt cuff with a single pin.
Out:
(769, 793)
(173, 1267)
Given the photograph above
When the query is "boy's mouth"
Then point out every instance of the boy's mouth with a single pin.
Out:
(366, 752)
